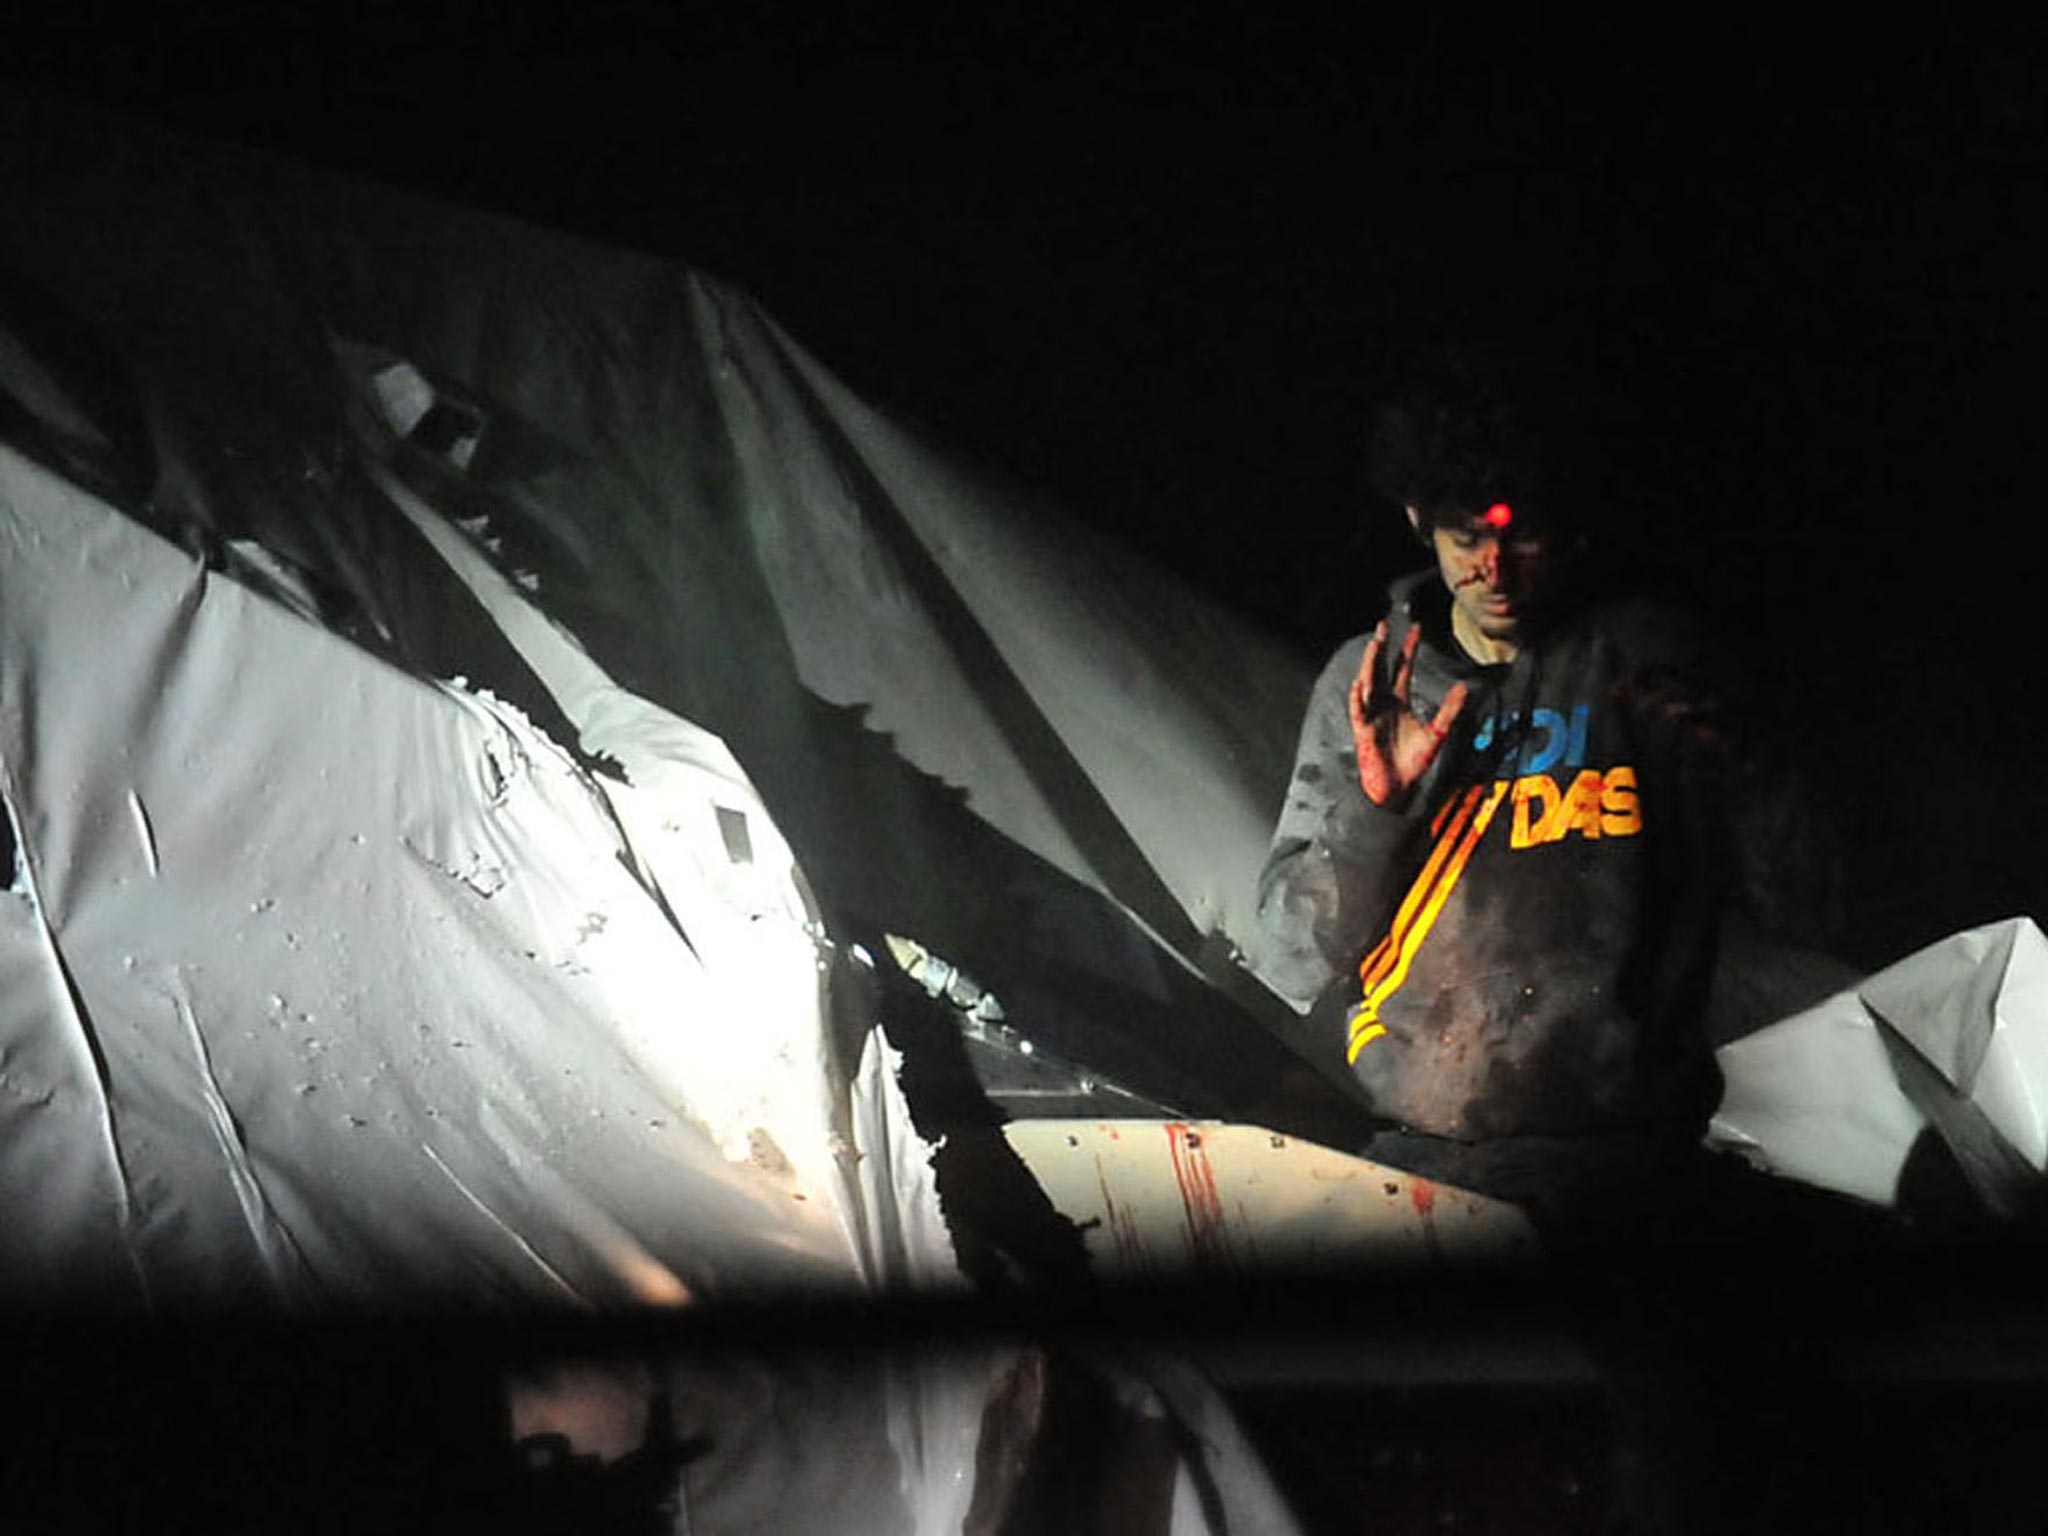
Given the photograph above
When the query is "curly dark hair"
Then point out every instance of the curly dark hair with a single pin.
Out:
(1466, 430)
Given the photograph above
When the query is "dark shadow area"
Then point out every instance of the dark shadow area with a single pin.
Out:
(1885, 1390)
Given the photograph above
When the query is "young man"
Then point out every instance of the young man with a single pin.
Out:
(1515, 822)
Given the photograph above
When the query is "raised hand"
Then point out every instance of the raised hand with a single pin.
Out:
(1395, 745)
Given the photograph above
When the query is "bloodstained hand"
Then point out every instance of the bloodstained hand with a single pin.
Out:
(1395, 745)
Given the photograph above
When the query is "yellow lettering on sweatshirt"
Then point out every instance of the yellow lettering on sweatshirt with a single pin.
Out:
(1595, 805)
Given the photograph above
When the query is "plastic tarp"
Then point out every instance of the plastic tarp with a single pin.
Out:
(1954, 1037)
(390, 597)
(357, 993)
(981, 724)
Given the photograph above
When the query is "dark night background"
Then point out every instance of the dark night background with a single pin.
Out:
(1161, 270)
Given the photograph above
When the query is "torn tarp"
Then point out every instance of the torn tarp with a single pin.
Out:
(390, 596)
(1953, 1037)
(978, 722)
(334, 984)
(334, 987)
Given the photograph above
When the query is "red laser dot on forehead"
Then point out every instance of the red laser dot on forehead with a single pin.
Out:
(1499, 515)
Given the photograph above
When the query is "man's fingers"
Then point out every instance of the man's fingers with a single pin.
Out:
(1369, 665)
(1447, 712)
(1369, 772)
(1406, 669)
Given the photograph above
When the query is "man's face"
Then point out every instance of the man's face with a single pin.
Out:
(1497, 573)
